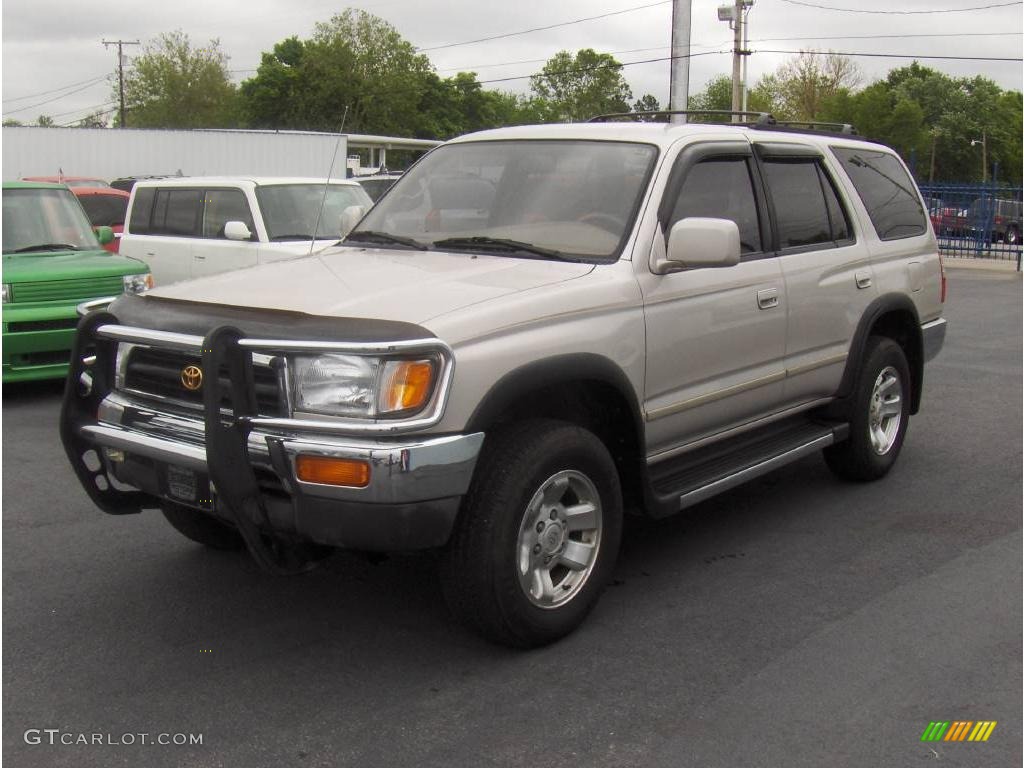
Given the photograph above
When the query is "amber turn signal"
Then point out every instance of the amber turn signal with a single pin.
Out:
(351, 473)
(406, 385)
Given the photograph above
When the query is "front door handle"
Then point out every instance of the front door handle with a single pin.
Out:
(863, 279)
(768, 298)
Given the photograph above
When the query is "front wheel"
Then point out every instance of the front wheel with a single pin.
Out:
(879, 416)
(538, 534)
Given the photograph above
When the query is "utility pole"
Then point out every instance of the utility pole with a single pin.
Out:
(984, 155)
(736, 15)
(120, 72)
(679, 77)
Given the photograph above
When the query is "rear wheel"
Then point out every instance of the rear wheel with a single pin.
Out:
(880, 411)
(201, 527)
(538, 535)
(1012, 236)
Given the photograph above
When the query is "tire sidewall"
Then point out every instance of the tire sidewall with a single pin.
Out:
(882, 353)
(567, 448)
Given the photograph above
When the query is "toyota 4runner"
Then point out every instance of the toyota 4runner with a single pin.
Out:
(535, 330)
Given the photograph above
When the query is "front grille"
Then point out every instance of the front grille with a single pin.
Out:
(68, 290)
(158, 373)
(65, 324)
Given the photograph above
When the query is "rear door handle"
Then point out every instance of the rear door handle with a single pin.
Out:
(768, 298)
(863, 279)
(199, 258)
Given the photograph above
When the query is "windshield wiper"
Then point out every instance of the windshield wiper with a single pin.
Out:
(502, 244)
(370, 236)
(46, 247)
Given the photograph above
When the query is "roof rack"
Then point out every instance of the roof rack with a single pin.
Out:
(760, 118)
(815, 125)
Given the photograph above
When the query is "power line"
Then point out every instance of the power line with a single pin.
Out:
(576, 70)
(55, 98)
(903, 13)
(893, 55)
(104, 113)
(542, 29)
(53, 90)
(84, 109)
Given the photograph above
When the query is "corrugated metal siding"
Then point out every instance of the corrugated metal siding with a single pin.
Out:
(67, 290)
(109, 153)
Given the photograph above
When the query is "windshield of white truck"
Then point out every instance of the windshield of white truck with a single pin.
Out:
(534, 199)
(290, 210)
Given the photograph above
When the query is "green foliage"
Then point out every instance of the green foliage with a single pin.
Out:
(175, 85)
(44, 121)
(646, 103)
(717, 95)
(578, 87)
(11, 122)
(799, 88)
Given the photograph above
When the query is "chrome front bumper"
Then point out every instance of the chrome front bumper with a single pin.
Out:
(402, 471)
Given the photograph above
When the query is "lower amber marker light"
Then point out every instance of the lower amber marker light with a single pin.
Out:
(350, 473)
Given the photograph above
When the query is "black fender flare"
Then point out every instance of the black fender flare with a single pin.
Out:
(881, 306)
(552, 371)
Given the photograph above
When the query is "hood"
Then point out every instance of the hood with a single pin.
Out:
(401, 285)
(67, 265)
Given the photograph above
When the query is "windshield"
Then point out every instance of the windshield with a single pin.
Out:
(577, 198)
(105, 210)
(33, 218)
(290, 210)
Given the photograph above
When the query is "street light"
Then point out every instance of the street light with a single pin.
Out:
(736, 15)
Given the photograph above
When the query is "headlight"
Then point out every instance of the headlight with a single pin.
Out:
(7, 292)
(362, 387)
(138, 283)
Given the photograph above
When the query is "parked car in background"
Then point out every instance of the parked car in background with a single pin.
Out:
(52, 261)
(126, 183)
(998, 219)
(196, 226)
(105, 207)
(947, 220)
(377, 184)
(71, 181)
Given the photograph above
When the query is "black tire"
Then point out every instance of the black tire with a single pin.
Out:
(1012, 236)
(859, 457)
(480, 567)
(201, 527)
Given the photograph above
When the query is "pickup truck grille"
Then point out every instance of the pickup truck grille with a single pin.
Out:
(158, 373)
(68, 290)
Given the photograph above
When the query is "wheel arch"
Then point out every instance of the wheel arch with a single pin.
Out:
(893, 316)
(585, 389)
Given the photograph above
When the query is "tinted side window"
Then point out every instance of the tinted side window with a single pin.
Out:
(888, 193)
(721, 189)
(836, 213)
(142, 209)
(175, 212)
(222, 206)
(104, 210)
(800, 209)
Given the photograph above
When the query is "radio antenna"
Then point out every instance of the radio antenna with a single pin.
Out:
(327, 183)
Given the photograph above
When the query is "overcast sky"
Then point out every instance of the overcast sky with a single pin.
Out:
(53, 47)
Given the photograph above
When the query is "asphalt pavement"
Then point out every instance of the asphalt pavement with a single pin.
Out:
(796, 621)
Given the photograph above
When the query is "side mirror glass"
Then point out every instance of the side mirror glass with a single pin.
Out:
(237, 230)
(701, 242)
(104, 234)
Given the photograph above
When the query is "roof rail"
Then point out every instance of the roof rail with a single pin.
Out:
(815, 125)
(760, 118)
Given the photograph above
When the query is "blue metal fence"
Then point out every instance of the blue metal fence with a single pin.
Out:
(976, 221)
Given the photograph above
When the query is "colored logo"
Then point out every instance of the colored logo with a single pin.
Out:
(192, 377)
(959, 730)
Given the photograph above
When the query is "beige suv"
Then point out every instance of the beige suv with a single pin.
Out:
(536, 330)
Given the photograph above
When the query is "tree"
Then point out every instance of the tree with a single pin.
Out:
(799, 88)
(355, 60)
(96, 119)
(175, 85)
(45, 121)
(646, 103)
(717, 95)
(11, 122)
(578, 87)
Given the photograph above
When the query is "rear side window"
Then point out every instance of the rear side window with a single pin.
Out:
(801, 212)
(142, 211)
(721, 188)
(176, 212)
(887, 191)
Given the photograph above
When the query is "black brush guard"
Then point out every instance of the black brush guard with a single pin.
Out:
(226, 438)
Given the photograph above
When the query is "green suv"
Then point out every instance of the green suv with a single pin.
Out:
(53, 261)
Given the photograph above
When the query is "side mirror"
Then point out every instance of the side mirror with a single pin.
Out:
(104, 234)
(349, 218)
(698, 242)
(237, 230)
